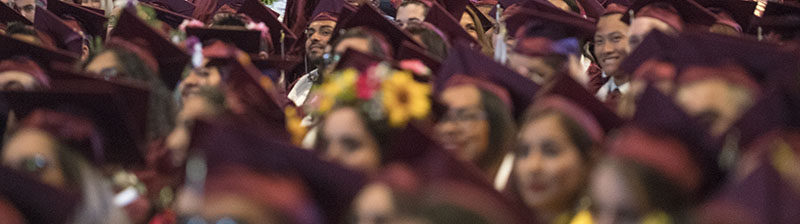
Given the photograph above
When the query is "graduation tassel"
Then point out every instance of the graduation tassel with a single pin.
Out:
(500, 52)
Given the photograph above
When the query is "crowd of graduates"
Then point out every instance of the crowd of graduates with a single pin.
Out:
(399, 111)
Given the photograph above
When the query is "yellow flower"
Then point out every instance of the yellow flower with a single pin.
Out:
(404, 98)
(340, 85)
(293, 125)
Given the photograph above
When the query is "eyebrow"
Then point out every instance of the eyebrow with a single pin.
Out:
(325, 26)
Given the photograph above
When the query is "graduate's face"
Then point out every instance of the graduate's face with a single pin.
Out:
(464, 130)
(641, 26)
(319, 33)
(27, 8)
(611, 42)
(469, 25)
(410, 13)
(714, 101)
(198, 78)
(538, 69)
(105, 63)
(549, 168)
(34, 151)
(612, 197)
(349, 142)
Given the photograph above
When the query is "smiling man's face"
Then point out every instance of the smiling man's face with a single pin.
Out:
(611, 42)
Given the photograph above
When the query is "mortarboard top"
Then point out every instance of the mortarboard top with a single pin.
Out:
(274, 65)
(38, 202)
(463, 61)
(655, 45)
(449, 25)
(689, 11)
(120, 120)
(177, 6)
(568, 88)
(357, 60)
(44, 56)
(171, 18)
(332, 8)
(247, 40)
(410, 51)
(740, 10)
(658, 114)
(64, 36)
(256, 91)
(171, 58)
(223, 142)
(767, 114)
(7, 15)
(94, 23)
(574, 26)
(369, 17)
(260, 13)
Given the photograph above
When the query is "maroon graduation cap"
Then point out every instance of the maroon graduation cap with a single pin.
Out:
(768, 114)
(575, 26)
(656, 45)
(7, 15)
(224, 142)
(38, 202)
(181, 7)
(46, 57)
(568, 88)
(331, 8)
(260, 13)
(370, 17)
(275, 64)
(448, 24)
(171, 58)
(357, 60)
(173, 19)
(92, 22)
(462, 60)
(409, 50)
(64, 36)
(659, 115)
(247, 40)
(689, 11)
(740, 11)
(120, 119)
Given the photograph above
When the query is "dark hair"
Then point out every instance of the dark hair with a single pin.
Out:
(501, 130)
(434, 43)
(228, 19)
(486, 42)
(162, 109)
(379, 130)
(378, 46)
(659, 191)
(20, 28)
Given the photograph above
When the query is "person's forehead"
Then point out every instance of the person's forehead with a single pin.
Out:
(461, 96)
(610, 23)
(24, 2)
(321, 23)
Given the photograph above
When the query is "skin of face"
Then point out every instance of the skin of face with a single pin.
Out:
(714, 101)
(29, 143)
(611, 42)
(373, 204)
(465, 129)
(16, 80)
(349, 142)
(641, 26)
(469, 25)
(199, 77)
(319, 33)
(549, 168)
(27, 8)
(103, 61)
(355, 43)
(535, 68)
(194, 107)
(237, 207)
(612, 200)
(561, 4)
(410, 13)
(91, 3)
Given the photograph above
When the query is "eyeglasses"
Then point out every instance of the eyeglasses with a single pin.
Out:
(35, 165)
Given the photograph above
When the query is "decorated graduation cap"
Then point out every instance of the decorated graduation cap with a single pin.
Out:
(570, 89)
(36, 201)
(278, 31)
(369, 17)
(171, 58)
(223, 142)
(120, 119)
(63, 36)
(464, 62)
(675, 13)
(449, 25)
(7, 15)
(44, 56)
(247, 40)
(177, 6)
(657, 114)
(738, 11)
(93, 23)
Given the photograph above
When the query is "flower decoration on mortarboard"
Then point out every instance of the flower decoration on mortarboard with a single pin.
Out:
(260, 27)
(381, 92)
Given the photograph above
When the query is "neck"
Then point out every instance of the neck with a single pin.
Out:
(620, 79)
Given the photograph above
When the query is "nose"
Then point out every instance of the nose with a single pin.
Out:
(608, 47)
(533, 162)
